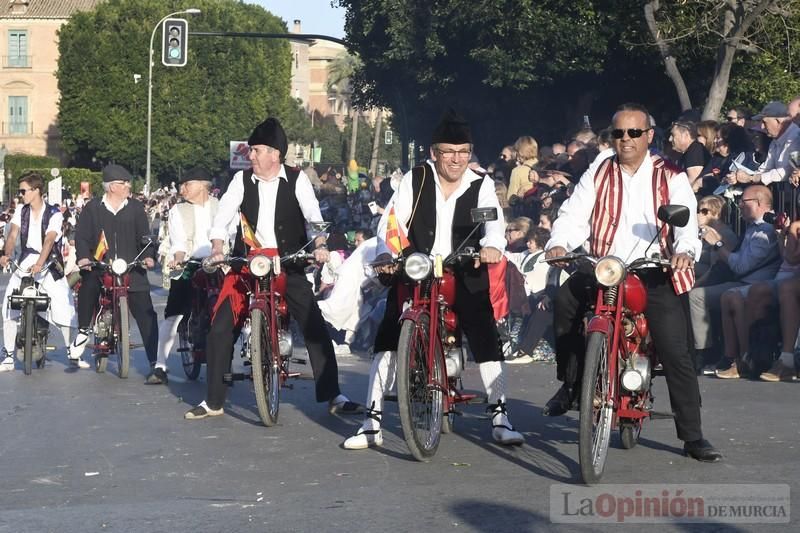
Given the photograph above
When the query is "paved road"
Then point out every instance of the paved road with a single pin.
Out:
(86, 452)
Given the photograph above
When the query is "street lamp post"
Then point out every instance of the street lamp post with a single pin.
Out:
(190, 11)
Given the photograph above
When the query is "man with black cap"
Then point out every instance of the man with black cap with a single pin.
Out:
(777, 121)
(274, 202)
(119, 222)
(432, 206)
(189, 223)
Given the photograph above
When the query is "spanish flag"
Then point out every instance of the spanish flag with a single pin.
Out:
(396, 240)
(102, 247)
(248, 235)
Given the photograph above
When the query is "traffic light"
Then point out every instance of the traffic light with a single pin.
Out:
(174, 44)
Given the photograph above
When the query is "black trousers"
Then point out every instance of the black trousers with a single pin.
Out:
(139, 302)
(304, 309)
(475, 318)
(666, 316)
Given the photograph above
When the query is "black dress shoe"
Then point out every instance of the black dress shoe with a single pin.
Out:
(560, 403)
(157, 377)
(702, 450)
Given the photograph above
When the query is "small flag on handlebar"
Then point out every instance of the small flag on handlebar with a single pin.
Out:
(396, 239)
(102, 247)
(248, 235)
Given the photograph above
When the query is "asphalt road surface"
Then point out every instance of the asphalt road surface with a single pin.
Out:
(83, 452)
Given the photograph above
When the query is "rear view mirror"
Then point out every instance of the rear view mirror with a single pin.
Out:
(483, 214)
(674, 215)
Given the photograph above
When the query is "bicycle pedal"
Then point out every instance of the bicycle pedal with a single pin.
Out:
(298, 360)
(656, 415)
(181, 350)
(50, 348)
(293, 375)
(390, 398)
(229, 377)
(135, 346)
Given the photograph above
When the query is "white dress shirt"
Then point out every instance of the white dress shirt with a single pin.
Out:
(230, 202)
(637, 223)
(403, 200)
(778, 166)
(202, 225)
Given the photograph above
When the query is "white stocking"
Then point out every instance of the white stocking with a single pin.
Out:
(494, 381)
(167, 333)
(381, 381)
(10, 335)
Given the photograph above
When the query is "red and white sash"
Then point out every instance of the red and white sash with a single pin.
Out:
(608, 204)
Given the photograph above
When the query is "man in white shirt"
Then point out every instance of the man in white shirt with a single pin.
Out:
(189, 223)
(777, 120)
(276, 201)
(432, 204)
(38, 226)
(623, 223)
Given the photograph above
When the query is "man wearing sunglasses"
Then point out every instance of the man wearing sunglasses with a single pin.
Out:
(737, 115)
(37, 224)
(614, 208)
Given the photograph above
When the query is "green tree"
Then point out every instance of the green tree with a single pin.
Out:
(227, 87)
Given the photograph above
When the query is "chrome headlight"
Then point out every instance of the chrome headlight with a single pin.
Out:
(609, 271)
(418, 266)
(260, 265)
(119, 266)
(29, 292)
(632, 380)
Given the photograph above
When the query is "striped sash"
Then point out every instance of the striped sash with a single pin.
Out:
(608, 204)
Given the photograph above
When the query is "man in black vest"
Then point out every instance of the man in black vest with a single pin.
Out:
(38, 226)
(276, 201)
(122, 222)
(433, 204)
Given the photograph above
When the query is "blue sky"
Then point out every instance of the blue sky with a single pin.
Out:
(316, 16)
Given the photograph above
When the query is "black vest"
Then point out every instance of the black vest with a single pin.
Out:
(57, 266)
(422, 229)
(290, 224)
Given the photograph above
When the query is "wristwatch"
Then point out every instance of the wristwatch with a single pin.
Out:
(718, 245)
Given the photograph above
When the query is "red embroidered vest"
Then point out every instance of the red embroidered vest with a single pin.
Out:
(608, 204)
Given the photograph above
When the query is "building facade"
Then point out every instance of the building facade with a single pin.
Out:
(28, 85)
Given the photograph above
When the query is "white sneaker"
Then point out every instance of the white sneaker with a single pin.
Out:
(75, 350)
(365, 438)
(502, 431)
(7, 365)
(79, 362)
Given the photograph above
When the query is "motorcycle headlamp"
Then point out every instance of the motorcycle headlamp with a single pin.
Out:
(632, 380)
(260, 265)
(119, 266)
(609, 271)
(418, 266)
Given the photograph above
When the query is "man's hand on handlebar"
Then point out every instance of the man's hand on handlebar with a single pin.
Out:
(4, 261)
(84, 263)
(35, 268)
(555, 252)
(321, 255)
(148, 262)
(488, 255)
(681, 262)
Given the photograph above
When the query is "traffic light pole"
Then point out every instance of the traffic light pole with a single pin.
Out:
(191, 11)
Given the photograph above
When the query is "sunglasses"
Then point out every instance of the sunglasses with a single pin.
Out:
(633, 133)
(731, 119)
(703, 211)
(23, 192)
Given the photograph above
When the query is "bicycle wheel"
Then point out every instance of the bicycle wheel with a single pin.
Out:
(28, 325)
(420, 399)
(596, 415)
(191, 366)
(124, 341)
(266, 369)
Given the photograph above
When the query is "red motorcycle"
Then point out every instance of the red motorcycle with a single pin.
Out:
(194, 327)
(429, 354)
(111, 322)
(266, 340)
(620, 355)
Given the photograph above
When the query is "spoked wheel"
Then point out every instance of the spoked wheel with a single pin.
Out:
(596, 415)
(266, 369)
(191, 366)
(629, 431)
(419, 393)
(124, 341)
(28, 325)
